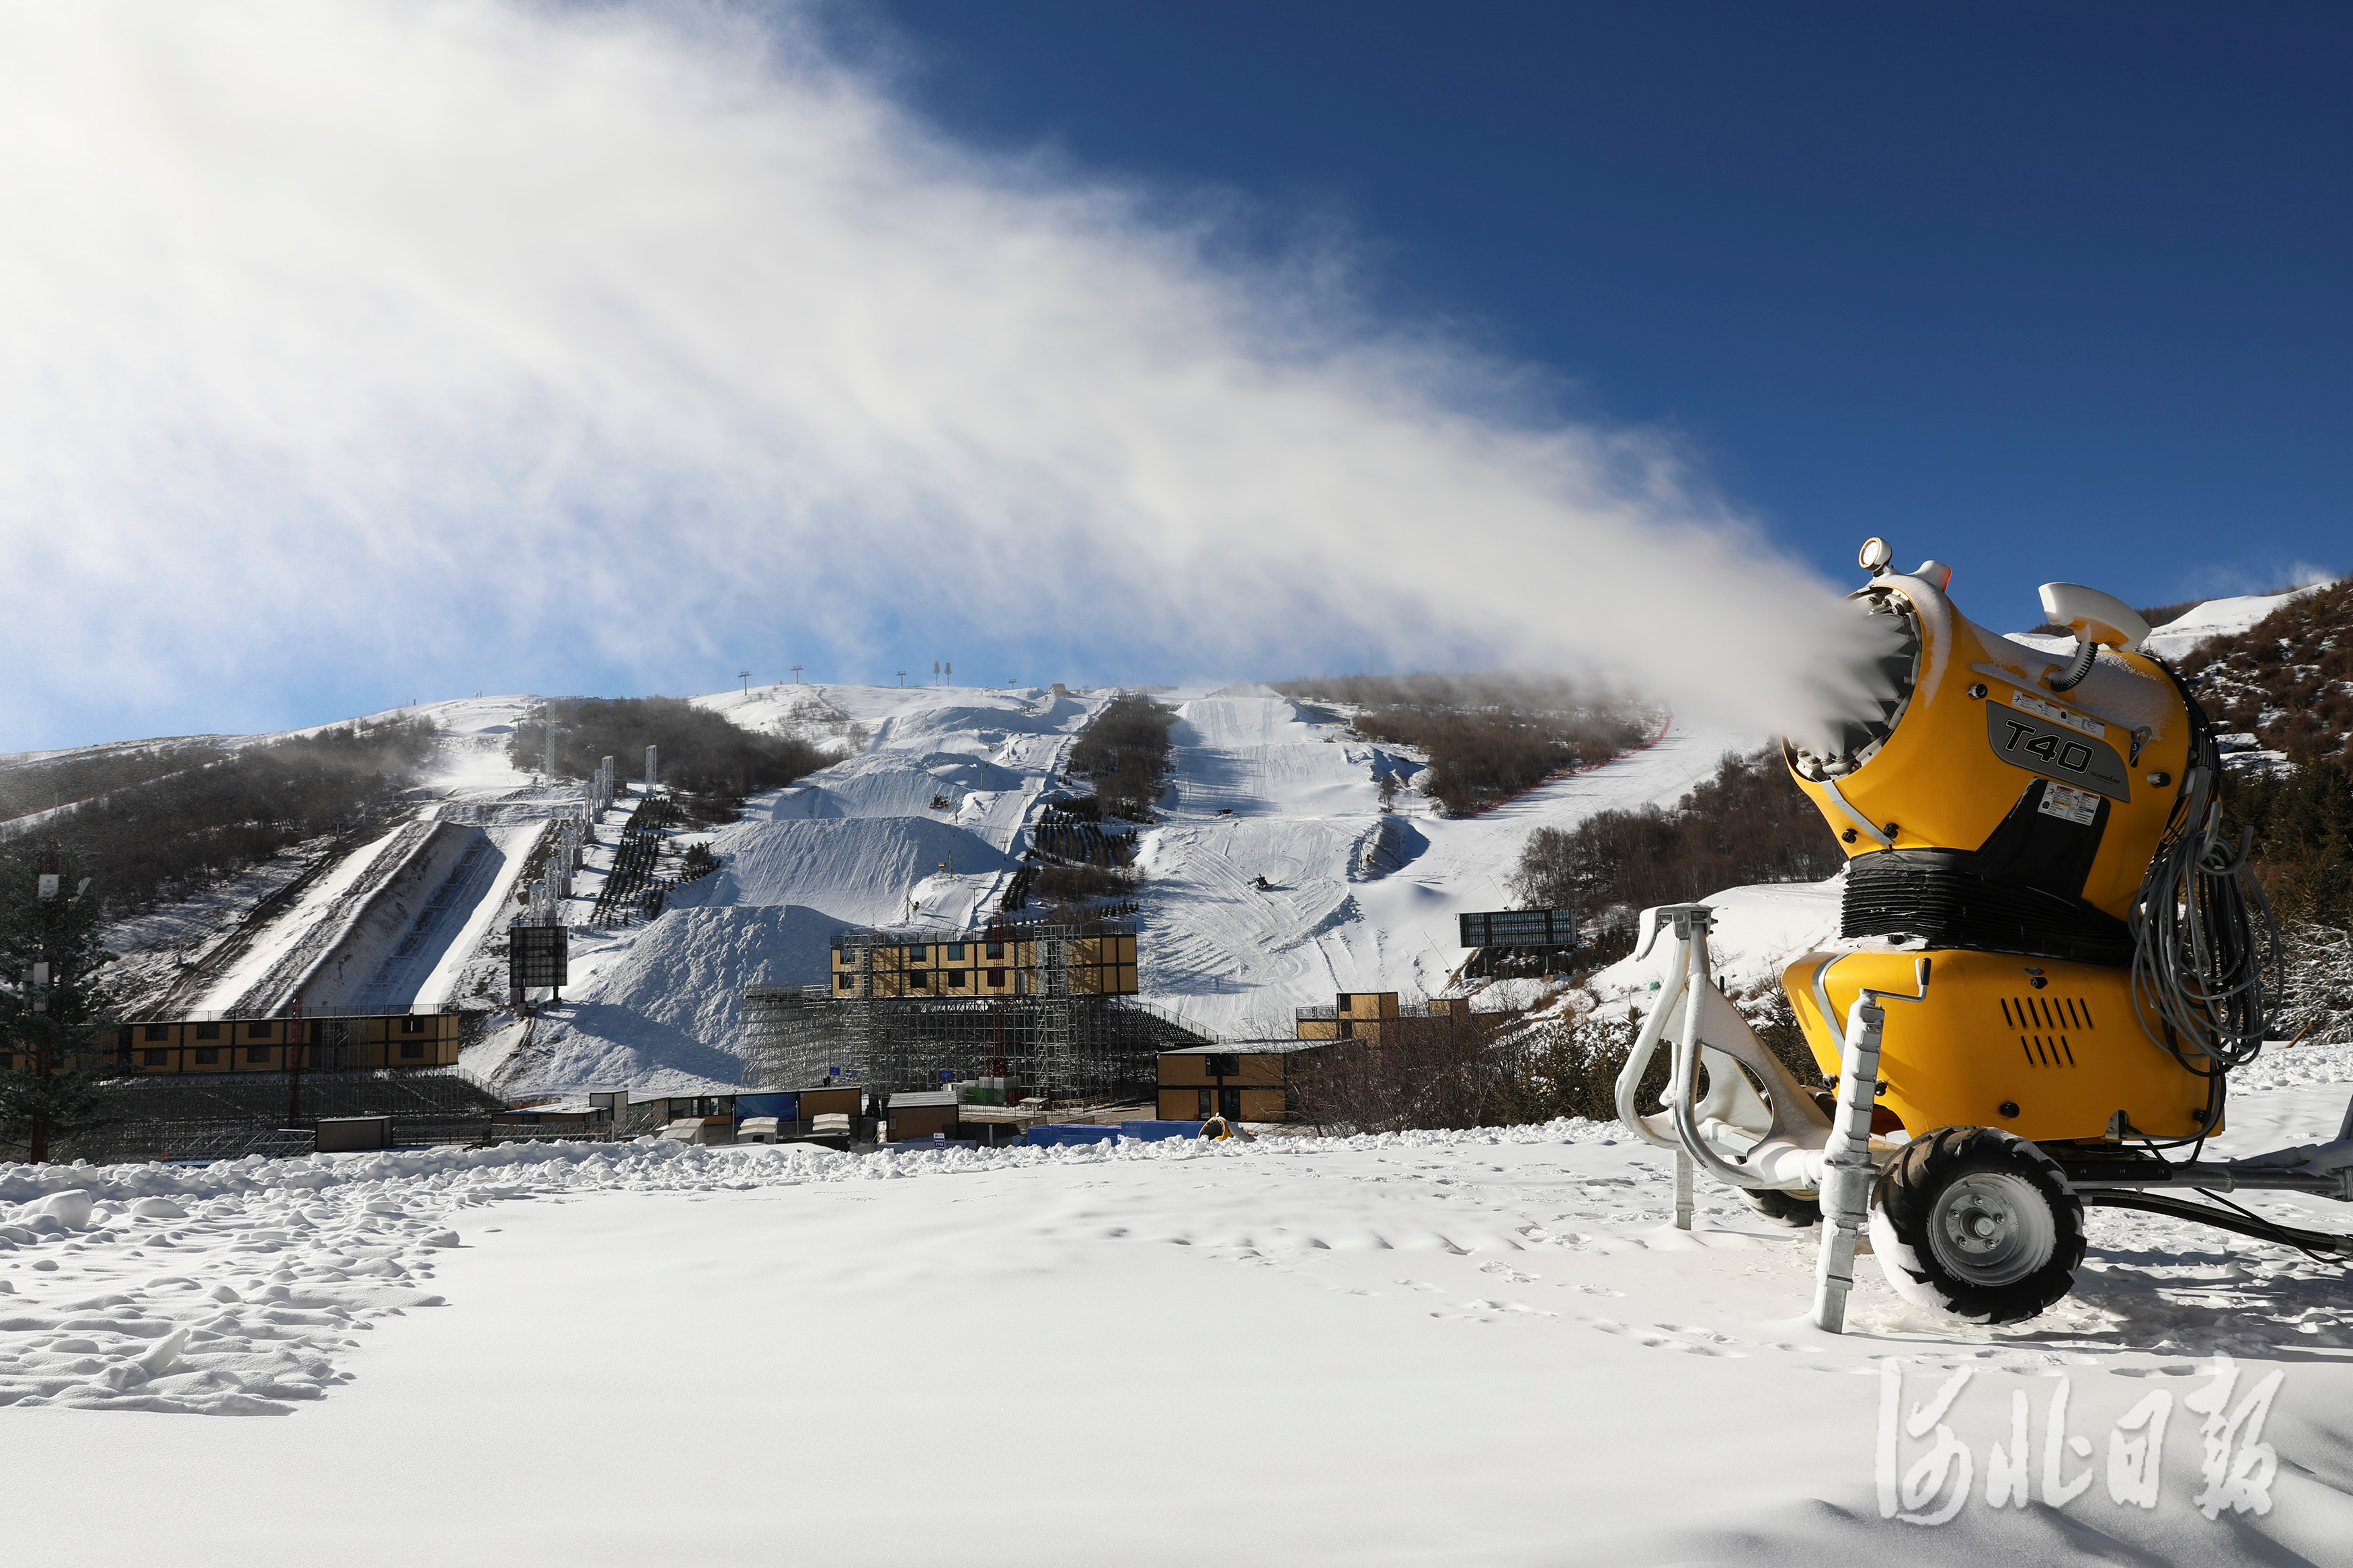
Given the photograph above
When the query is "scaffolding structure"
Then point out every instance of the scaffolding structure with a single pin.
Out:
(225, 1116)
(1050, 1040)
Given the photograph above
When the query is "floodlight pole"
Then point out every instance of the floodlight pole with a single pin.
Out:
(50, 886)
(295, 1041)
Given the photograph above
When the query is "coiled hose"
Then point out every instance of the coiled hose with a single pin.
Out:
(2206, 956)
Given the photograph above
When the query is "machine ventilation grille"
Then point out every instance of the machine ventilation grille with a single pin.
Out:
(2044, 1024)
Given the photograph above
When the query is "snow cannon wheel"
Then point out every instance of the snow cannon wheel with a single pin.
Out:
(1977, 1222)
(1795, 1210)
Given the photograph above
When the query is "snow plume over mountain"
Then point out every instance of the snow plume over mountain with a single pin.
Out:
(473, 341)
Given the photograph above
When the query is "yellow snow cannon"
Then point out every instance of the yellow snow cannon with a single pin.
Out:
(2037, 875)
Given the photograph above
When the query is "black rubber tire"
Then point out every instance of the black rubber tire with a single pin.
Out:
(1783, 1208)
(1978, 1223)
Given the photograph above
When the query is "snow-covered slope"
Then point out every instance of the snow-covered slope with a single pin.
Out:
(927, 823)
(1359, 899)
(922, 821)
(394, 920)
(2215, 617)
(924, 825)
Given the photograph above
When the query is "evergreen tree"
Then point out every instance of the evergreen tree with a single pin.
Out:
(53, 1004)
(2302, 822)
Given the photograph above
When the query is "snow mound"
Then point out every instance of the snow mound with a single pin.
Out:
(987, 722)
(1756, 930)
(1236, 721)
(889, 784)
(665, 1012)
(859, 868)
(860, 843)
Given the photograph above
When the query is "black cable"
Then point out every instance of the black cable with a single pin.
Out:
(2231, 1218)
(2261, 1219)
(2206, 960)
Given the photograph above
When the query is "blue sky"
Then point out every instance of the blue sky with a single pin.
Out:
(360, 352)
(2049, 291)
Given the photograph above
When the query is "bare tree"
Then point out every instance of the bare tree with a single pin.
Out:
(2319, 1009)
(1446, 1071)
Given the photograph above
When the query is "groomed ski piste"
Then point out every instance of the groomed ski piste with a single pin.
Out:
(1481, 1347)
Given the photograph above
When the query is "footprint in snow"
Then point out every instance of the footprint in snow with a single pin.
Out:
(1668, 1337)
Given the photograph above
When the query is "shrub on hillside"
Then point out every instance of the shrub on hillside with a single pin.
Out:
(1486, 736)
(2302, 848)
(1750, 823)
(1125, 750)
(2318, 1009)
(2288, 679)
(176, 834)
(700, 752)
(43, 783)
(1068, 884)
(1569, 1067)
(1440, 1072)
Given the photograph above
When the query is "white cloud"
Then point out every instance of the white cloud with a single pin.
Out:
(459, 335)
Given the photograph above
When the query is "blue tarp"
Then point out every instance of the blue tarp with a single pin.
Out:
(1053, 1132)
(1153, 1132)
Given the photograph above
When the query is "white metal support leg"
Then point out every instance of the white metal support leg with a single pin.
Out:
(1683, 1190)
(1846, 1185)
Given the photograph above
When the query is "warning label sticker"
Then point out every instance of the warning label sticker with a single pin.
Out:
(2066, 801)
(2056, 714)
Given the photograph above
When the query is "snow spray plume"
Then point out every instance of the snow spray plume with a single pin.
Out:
(456, 342)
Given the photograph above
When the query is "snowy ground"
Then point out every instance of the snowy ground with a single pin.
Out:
(1483, 1348)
